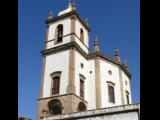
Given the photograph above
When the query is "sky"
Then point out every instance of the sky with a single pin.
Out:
(115, 22)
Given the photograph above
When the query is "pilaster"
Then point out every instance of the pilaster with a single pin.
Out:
(71, 76)
(97, 83)
(121, 86)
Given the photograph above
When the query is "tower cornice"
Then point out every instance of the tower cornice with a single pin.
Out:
(73, 12)
(72, 44)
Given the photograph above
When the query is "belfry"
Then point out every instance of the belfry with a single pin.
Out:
(73, 79)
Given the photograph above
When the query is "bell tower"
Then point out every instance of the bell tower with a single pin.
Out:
(64, 34)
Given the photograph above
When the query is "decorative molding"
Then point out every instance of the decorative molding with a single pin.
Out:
(56, 73)
(74, 12)
(90, 56)
(106, 58)
(82, 77)
(66, 36)
(60, 95)
(111, 83)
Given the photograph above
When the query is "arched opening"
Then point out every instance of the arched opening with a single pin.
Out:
(59, 33)
(55, 107)
(82, 107)
(81, 35)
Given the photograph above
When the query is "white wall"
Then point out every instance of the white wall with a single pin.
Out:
(56, 62)
(66, 30)
(90, 79)
(81, 45)
(85, 32)
(104, 67)
(126, 87)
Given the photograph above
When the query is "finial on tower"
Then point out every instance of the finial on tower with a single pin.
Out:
(96, 45)
(125, 64)
(86, 21)
(71, 5)
(117, 56)
(50, 15)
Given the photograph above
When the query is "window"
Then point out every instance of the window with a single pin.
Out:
(82, 66)
(126, 82)
(55, 88)
(82, 87)
(127, 97)
(81, 35)
(111, 94)
(109, 72)
(59, 33)
(55, 82)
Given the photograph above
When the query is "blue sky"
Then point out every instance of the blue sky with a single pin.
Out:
(115, 22)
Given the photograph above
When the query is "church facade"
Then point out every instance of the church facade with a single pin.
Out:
(74, 80)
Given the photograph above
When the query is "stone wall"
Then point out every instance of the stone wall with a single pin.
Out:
(125, 112)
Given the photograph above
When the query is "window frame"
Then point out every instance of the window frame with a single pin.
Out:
(82, 78)
(127, 97)
(56, 34)
(53, 75)
(82, 35)
(111, 84)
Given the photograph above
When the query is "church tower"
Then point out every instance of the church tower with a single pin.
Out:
(66, 34)
(73, 79)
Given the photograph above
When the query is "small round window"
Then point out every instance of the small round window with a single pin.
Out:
(109, 72)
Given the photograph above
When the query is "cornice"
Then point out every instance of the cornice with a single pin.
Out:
(90, 56)
(101, 55)
(73, 12)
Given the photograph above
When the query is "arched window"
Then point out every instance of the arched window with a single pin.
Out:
(127, 97)
(111, 94)
(82, 107)
(81, 35)
(82, 87)
(59, 33)
(55, 82)
(55, 107)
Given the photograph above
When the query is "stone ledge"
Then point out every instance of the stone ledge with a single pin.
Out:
(98, 112)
